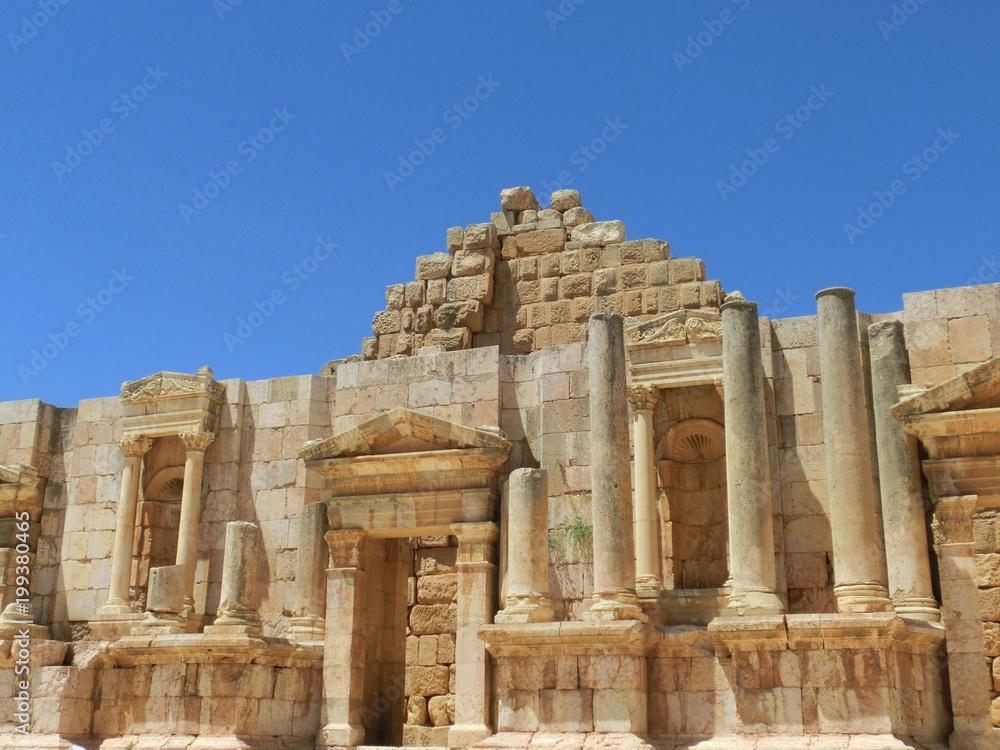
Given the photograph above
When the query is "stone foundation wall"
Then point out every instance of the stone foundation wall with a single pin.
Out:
(987, 536)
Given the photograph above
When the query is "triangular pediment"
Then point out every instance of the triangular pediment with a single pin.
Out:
(978, 388)
(675, 329)
(401, 431)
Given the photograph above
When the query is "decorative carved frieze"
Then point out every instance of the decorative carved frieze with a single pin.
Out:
(675, 329)
(164, 385)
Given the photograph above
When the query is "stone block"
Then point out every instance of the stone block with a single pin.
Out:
(518, 199)
(970, 339)
(574, 217)
(564, 200)
(468, 314)
(431, 619)
(548, 266)
(605, 281)
(452, 339)
(434, 266)
(566, 711)
(437, 290)
(686, 269)
(437, 589)
(989, 604)
(577, 285)
(394, 297)
(472, 262)
(620, 711)
(479, 288)
(481, 237)
(427, 648)
(541, 242)
(437, 709)
(659, 273)
(454, 239)
(426, 681)
(598, 233)
(633, 276)
(386, 321)
(415, 292)
(416, 711)
(446, 648)
(517, 711)
(988, 570)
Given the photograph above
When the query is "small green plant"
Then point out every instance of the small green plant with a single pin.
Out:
(580, 532)
(553, 541)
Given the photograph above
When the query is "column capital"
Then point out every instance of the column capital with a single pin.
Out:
(952, 523)
(476, 541)
(134, 445)
(197, 441)
(643, 397)
(346, 546)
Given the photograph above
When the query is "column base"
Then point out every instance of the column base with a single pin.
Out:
(467, 735)
(615, 605)
(648, 587)
(307, 628)
(918, 609)
(524, 609)
(161, 623)
(340, 735)
(229, 623)
(862, 597)
(743, 603)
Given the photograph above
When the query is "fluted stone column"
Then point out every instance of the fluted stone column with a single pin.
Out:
(187, 534)
(648, 576)
(527, 549)
(346, 642)
(310, 575)
(133, 447)
(859, 584)
(239, 603)
(477, 596)
(611, 492)
(906, 553)
(748, 474)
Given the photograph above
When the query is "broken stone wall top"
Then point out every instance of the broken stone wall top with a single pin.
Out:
(531, 278)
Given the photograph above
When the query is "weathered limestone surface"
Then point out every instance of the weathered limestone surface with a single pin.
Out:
(369, 499)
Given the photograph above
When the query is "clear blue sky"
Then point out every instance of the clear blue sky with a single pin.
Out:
(172, 95)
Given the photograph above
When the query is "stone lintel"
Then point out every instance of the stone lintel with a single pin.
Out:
(580, 638)
(199, 648)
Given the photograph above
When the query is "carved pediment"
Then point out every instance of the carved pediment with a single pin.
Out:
(979, 388)
(171, 385)
(675, 329)
(401, 431)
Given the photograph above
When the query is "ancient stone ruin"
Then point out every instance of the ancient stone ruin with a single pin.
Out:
(569, 495)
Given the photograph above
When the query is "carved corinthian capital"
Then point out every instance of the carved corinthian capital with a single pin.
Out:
(197, 441)
(134, 445)
(643, 397)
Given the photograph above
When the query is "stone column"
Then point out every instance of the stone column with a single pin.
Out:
(968, 671)
(133, 447)
(906, 553)
(527, 549)
(239, 603)
(346, 642)
(187, 533)
(477, 596)
(611, 491)
(648, 578)
(310, 575)
(748, 473)
(859, 582)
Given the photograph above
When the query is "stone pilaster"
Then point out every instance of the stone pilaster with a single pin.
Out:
(648, 575)
(751, 530)
(344, 652)
(968, 673)
(133, 447)
(527, 549)
(611, 493)
(906, 549)
(239, 603)
(187, 534)
(310, 575)
(477, 596)
(859, 581)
